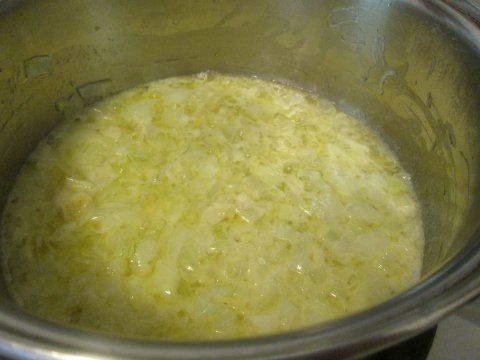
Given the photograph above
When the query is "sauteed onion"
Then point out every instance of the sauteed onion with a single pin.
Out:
(210, 206)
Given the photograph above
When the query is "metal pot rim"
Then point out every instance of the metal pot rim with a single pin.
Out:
(403, 316)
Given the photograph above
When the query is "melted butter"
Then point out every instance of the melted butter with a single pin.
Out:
(207, 207)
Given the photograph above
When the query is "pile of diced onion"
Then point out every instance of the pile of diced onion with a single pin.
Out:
(209, 206)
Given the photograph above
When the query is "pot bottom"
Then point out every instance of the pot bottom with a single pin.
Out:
(416, 348)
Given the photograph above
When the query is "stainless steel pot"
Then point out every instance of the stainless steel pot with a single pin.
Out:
(409, 68)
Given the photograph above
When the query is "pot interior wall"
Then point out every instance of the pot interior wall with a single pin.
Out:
(411, 78)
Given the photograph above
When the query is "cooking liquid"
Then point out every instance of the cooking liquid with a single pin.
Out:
(207, 207)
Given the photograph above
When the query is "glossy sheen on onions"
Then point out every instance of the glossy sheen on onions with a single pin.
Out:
(209, 206)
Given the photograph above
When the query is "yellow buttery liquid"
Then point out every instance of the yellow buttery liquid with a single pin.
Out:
(209, 206)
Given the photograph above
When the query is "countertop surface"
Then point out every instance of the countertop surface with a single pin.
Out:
(456, 339)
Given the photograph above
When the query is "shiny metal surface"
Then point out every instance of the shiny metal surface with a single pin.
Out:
(410, 68)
